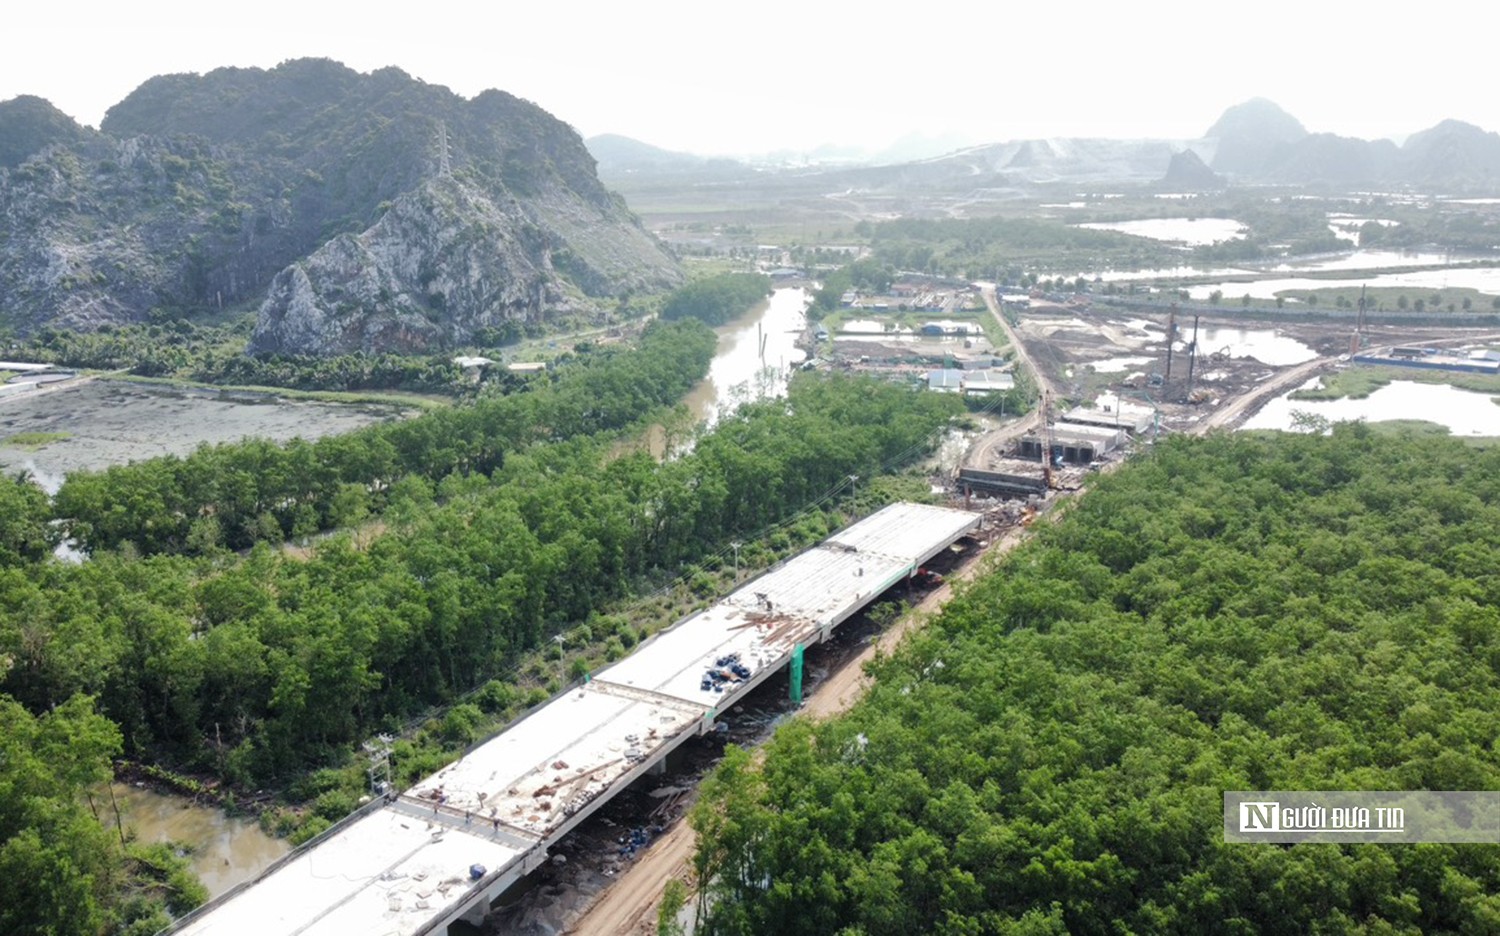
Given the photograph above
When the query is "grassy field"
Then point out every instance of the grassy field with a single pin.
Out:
(1420, 428)
(1359, 382)
(833, 321)
(1388, 299)
(34, 440)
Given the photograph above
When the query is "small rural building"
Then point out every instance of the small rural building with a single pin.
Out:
(946, 380)
(526, 367)
(1112, 415)
(949, 327)
(988, 381)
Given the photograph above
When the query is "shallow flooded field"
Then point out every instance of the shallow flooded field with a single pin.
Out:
(1190, 231)
(1263, 344)
(109, 422)
(1463, 412)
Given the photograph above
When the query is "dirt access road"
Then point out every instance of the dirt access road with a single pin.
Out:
(629, 904)
(1233, 412)
(982, 454)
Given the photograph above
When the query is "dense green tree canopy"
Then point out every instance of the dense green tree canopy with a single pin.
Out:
(717, 299)
(1049, 755)
(61, 872)
(261, 666)
(236, 494)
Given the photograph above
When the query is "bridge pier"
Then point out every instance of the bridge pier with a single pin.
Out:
(477, 911)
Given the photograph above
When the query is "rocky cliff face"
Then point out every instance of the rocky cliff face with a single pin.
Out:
(358, 212)
(444, 261)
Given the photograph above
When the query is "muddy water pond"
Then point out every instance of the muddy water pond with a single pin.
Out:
(1463, 412)
(1119, 365)
(223, 850)
(1262, 344)
(111, 422)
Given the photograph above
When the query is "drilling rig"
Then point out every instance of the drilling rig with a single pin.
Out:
(1046, 433)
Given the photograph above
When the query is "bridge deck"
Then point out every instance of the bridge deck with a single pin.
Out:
(400, 871)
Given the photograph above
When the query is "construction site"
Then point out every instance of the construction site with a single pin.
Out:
(528, 828)
(442, 853)
(1148, 371)
(1185, 364)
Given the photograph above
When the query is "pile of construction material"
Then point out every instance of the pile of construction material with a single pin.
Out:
(726, 669)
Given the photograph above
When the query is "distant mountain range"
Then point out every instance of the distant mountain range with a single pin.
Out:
(373, 212)
(1254, 143)
(357, 212)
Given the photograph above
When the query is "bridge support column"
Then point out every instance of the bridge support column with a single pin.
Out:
(477, 911)
(795, 691)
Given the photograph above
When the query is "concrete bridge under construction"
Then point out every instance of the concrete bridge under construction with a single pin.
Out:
(445, 849)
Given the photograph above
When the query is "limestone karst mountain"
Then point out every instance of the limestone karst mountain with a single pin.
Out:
(360, 212)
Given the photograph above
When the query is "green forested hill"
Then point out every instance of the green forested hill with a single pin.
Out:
(1049, 755)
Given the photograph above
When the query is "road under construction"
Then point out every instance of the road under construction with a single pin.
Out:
(442, 851)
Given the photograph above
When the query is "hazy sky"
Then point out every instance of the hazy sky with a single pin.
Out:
(743, 78)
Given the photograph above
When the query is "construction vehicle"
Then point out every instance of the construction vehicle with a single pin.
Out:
(926, 576)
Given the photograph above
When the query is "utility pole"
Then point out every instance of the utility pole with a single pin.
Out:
(444, 167)
(1171, 337)
(1046, 442)
(1192, 359)
(378, 749)
(1359, 326)
(853, 486)
(736, 547)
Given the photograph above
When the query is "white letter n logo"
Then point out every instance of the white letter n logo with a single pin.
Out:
(1260, 817)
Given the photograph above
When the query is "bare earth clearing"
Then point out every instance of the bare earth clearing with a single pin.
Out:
(110, 422)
